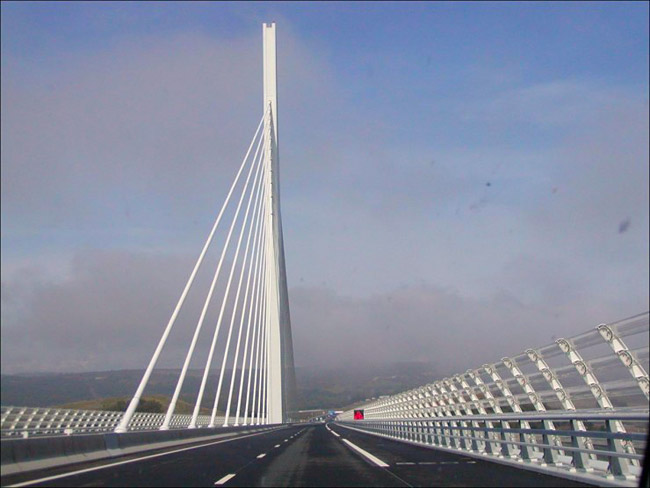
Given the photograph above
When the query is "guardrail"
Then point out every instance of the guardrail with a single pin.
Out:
(577, 408)
(28, 421)
(556, 442)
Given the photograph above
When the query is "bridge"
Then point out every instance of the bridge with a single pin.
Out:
(571, 413)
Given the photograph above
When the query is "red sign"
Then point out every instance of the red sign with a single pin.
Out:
(358, 415)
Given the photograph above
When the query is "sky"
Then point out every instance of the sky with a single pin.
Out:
(460, 181)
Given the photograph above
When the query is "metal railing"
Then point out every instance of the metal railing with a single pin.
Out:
(28, 421)
(577, 407)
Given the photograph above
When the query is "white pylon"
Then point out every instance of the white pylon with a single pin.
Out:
(271, 343)
(273, 387)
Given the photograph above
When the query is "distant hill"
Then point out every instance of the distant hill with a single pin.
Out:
(342, 387)
(150, 403)
(56, 389)
(316, 388)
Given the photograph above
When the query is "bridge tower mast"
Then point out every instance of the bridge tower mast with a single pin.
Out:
(277, 388)
(281, 375)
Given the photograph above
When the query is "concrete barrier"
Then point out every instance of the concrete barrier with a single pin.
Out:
(24, 455)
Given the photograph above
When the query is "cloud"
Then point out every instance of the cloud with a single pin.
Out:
(143, 133)
(563, 102)
(115, 164)
(111, 311)
(431, 324)
(601, 182)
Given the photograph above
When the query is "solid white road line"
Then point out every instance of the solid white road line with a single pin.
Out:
(224, 479)
(368, 456)
(261, 456)
(151, 456)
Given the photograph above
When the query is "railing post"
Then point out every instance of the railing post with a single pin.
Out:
(618, 466)
(445, 432)
(550, 455)
(525, 451)
(506, 447)
(580, 459)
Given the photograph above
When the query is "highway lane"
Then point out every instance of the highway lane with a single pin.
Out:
(201, 465)
(334, 456)
(315, 458)
(420, 466)
(301, 455)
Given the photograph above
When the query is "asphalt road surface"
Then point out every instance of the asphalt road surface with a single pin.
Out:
(301, 455)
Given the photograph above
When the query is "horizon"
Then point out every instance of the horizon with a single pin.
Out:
(306, 367)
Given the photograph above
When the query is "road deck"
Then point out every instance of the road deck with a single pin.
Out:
(304, 455)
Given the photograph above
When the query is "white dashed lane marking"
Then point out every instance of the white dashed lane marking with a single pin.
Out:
(277, 445)
(261, 456)
(224, 479)
(332, 432)
(366, 454)
(432, 463)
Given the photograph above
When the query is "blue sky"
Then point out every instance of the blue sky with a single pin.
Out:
(604, 40)
(443, 157)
